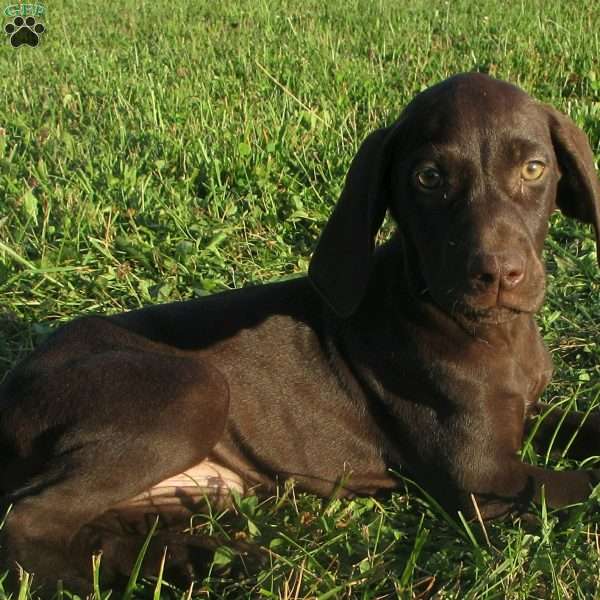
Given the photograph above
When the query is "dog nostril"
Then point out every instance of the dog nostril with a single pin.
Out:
(512, 278)
(484, 271)
(486, 278)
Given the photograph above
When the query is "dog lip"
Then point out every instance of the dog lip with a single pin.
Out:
(515, 308)
(490, 310)
(462, 309)
(487, 316)
(498, 307)
(480, 304)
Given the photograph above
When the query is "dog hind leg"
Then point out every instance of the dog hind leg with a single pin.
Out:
(92, 432)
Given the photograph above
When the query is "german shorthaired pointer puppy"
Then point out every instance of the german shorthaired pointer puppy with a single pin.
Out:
(422, 354)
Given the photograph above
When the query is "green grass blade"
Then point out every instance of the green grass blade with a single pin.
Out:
(132, 583)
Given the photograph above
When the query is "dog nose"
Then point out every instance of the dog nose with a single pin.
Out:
(496, 271)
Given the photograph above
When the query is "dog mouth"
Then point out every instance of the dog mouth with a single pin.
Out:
(469, 311)
(493, 315)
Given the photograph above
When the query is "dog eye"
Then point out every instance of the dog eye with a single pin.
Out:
(532, 170)
(428, 177)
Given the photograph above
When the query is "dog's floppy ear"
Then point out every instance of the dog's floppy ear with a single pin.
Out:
(341, 263)
(578, 192)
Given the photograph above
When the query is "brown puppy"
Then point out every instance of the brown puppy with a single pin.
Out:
(423, 355)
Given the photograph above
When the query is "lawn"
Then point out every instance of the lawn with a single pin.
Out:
(158, 151)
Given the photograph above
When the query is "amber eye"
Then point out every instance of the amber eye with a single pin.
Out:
(532, 170)
(428, 178)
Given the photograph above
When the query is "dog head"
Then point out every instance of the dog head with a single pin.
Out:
(471, 172)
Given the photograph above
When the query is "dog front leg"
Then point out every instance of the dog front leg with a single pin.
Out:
(575, 434)
(516, 485)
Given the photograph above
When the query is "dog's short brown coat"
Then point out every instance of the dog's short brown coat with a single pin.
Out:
(422, 355)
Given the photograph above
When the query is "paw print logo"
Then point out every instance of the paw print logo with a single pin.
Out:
(24, 31)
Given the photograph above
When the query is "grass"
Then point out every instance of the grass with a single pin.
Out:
(159, 151)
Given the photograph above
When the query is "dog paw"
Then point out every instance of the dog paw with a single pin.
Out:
(24, 31)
